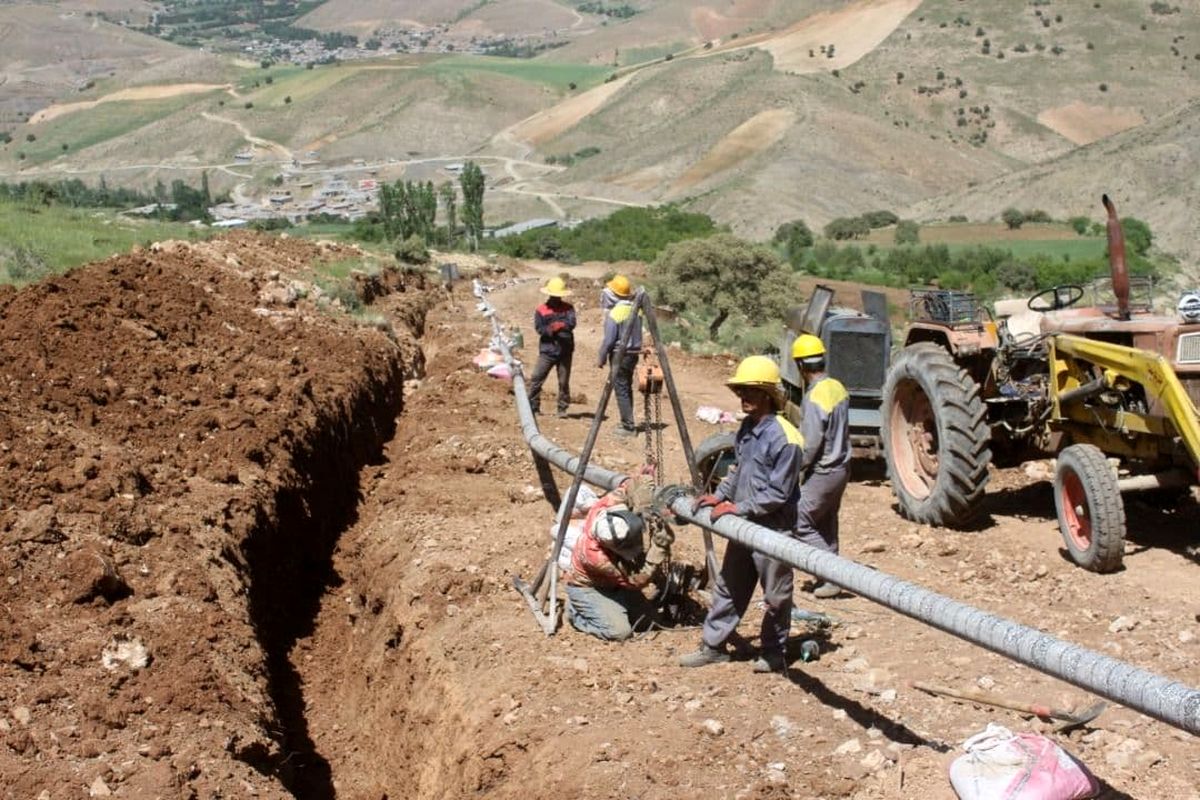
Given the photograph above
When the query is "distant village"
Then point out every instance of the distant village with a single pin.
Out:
(301, 196)
(387, 40)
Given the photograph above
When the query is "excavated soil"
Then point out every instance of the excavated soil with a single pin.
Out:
(240, 561)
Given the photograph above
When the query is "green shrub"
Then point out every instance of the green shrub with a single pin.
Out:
(907, 232)
(722, 277)
(638, 234)
(412, 251)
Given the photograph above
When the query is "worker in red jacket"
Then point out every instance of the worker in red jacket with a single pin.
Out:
(610, 565)
(554, 321)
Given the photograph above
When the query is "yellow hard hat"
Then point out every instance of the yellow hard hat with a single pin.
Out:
(620, 286)
(556, 287)
(759, 371)
(807, 346)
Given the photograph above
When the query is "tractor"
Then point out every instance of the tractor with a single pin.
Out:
(1109, 390)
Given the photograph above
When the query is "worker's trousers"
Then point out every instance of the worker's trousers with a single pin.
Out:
(741, 569)
(820, 501)
(623, 389)
(541, 371)
(605, 613)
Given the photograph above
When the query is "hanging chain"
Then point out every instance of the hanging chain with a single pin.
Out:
(658, 440)
(648, 426)
(652, 420)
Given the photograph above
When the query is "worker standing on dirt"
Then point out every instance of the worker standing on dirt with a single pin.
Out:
(825, 464)
(554, 321)
(764, 488)
(610, 565)
(617, 302)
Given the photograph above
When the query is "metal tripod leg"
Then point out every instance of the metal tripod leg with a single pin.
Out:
(710, 555)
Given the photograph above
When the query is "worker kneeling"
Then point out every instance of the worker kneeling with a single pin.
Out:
(610, 565)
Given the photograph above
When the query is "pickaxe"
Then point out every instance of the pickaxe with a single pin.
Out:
(1067, 719)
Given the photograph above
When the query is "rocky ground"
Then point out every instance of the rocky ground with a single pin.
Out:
(240, 561)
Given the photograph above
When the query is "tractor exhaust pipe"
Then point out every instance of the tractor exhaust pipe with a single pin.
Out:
(1116, 259)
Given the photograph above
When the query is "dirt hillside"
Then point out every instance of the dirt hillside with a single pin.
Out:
(252, 548)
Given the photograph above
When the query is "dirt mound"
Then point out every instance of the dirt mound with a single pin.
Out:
(166, 417)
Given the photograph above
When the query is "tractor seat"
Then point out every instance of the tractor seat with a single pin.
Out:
(1022, 323)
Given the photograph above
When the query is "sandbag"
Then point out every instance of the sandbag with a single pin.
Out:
(1001, 765)
(501, 371)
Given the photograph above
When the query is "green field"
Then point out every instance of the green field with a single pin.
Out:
(62, 238)
(1055, 240)
(544, 72)
(90, 126)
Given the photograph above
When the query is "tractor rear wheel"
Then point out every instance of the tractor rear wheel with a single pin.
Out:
(714, 457)
(1091, 515)
(935, 437)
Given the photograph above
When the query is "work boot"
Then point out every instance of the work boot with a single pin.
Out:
(625, 430)
(562, 413)
(771, 662)
(827, 590)
(704, 656)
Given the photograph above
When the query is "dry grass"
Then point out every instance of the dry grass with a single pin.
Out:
(1083, 123)
(754, 136)
(854, 31)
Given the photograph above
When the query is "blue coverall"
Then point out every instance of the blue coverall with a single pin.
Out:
(765, 488)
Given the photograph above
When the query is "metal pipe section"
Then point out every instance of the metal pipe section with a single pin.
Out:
(1169, 701)
(1141, 690)
(558, 456)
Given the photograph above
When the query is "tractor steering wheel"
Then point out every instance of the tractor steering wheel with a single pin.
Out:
(1062, 296)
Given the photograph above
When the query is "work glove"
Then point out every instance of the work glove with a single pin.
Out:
(656, 554)
(705, 501)
(663, 537)
(721, 509)
(557, 327)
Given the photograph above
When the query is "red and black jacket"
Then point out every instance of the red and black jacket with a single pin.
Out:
(554, 320)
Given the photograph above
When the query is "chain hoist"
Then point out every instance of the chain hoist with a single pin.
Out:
(650, 384)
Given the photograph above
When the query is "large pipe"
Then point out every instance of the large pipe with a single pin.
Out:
(1141, 690)
(1169, 701)
(1116, 258)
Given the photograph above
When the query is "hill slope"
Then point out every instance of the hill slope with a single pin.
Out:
(49, 52)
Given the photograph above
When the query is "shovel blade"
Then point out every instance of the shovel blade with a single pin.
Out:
(1077, 718)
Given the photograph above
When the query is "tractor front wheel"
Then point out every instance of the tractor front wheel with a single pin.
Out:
(1091, 515)
(935, 437)
(714, 457)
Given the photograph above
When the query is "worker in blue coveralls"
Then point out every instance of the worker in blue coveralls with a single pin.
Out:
(763, 488)
(617, 302)
(825, 463)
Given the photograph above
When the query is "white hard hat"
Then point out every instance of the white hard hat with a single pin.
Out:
(620, 531)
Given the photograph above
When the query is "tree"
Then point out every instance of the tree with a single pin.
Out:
(450, 204)
(1013, 218)
(472, 182)
(1137, 235)
(722, 275)
(847, 228)
(1079, 225)
(205, 194)
(795, 237)
(907, 232)
(880, 219)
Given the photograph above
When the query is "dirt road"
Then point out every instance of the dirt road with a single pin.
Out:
(237, 563)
